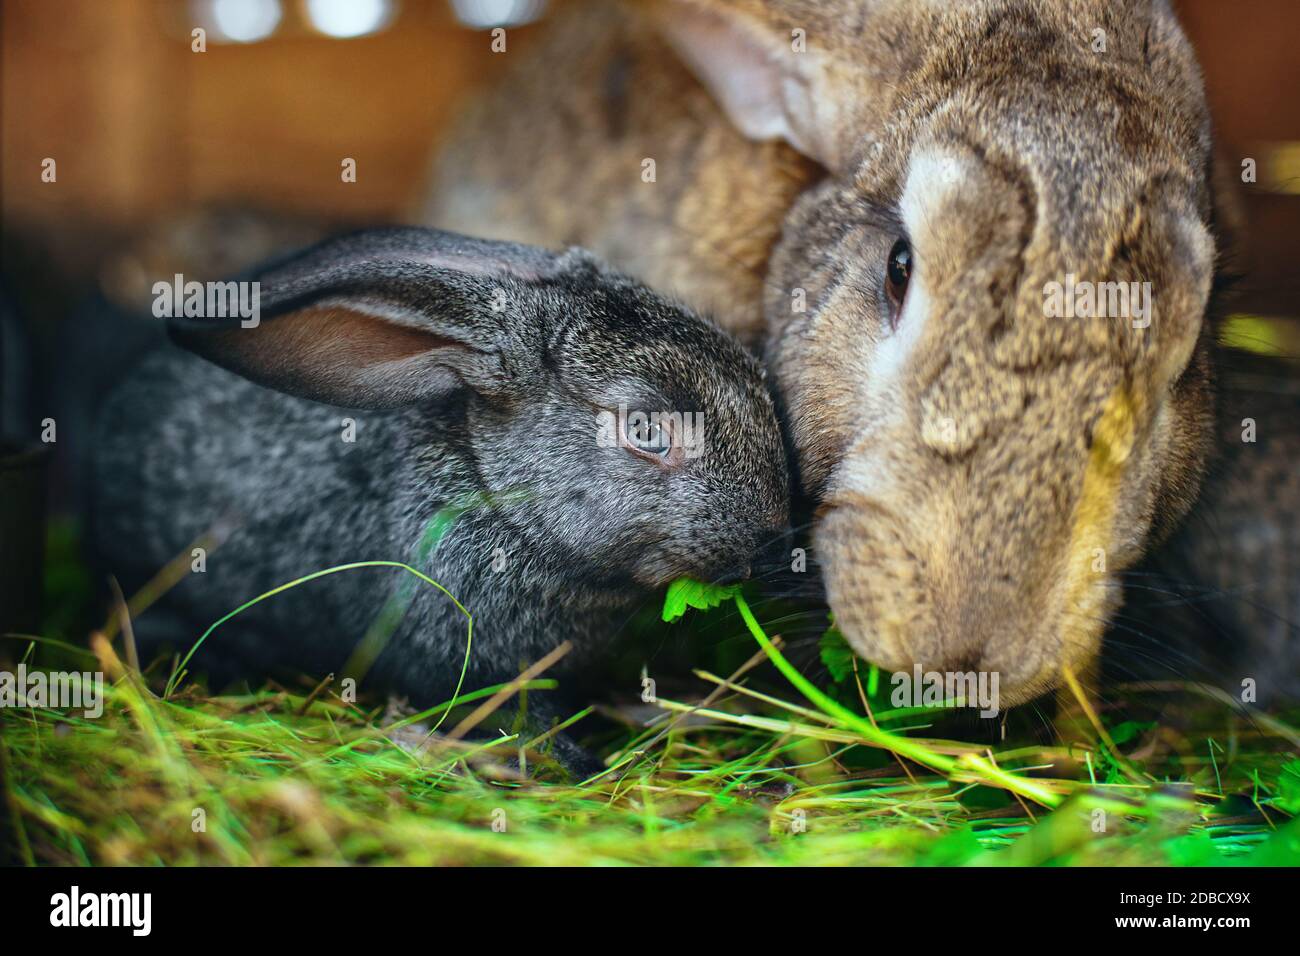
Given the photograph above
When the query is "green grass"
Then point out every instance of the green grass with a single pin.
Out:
(759, 767)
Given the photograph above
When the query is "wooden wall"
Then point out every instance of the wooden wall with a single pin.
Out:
(139, 123)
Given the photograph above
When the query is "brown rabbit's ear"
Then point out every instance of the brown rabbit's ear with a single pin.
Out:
(776, 73)
(380, 319)
(767, 90)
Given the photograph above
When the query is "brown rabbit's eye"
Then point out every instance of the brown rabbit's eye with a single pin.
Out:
(898, 270)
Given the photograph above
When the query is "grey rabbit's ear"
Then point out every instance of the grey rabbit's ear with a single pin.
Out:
(381, 319)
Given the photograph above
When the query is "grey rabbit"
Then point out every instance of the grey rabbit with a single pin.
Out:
(481, 377)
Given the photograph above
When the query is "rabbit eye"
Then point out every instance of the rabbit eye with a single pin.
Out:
(647, 436)
(898, 271)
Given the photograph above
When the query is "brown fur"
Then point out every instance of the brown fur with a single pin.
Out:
(965, 503)
(559, 163)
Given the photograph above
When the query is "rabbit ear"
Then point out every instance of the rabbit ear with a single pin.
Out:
(776, 70)
(767, 86)
(381, 319)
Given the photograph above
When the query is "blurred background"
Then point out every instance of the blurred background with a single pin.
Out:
(169, 160)
(154, 143)
(144, 131)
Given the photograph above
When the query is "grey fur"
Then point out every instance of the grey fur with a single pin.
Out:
(501, 413)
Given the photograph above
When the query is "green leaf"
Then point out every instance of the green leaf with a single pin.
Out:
(1288, 787)
(687, 592)
(836, 654)
(1192, 849)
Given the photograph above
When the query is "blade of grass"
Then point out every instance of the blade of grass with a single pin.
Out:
(469, 632)
(900, 745)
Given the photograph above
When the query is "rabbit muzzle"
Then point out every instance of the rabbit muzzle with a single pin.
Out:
(947, 608)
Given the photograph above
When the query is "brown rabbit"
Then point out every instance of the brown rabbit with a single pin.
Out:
(893, 193)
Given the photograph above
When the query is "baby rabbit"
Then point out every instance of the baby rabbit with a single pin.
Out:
(499, 381)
